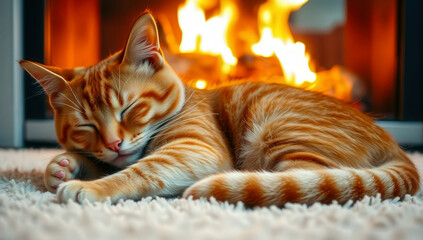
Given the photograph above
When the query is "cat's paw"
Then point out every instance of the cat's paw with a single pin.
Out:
(61, 169)
(77, 191)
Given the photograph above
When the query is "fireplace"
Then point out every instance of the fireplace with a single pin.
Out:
(364, 52)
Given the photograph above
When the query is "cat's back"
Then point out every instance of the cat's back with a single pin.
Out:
(257, 100)
(279, 114)
(275, 97)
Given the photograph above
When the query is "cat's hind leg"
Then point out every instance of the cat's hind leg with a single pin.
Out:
(302, 160)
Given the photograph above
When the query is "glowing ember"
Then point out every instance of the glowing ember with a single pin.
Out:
(206, 36)
(201, 84)
(276, 38)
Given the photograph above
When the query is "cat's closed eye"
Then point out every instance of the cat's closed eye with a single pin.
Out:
(88, 126)
(126, 109)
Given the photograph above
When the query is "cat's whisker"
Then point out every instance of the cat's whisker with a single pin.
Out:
(180, 114)
(191, 118)
(74, 95)
(187, 99)
(193, 105)
(60, 103)
(71, 101)
(36, 94)
(164, 128)
(172, 118)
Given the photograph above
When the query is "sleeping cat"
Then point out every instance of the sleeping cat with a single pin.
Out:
(262, 144)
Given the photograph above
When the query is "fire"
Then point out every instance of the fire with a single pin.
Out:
(206, 36)
(210, 36)
(276, 38)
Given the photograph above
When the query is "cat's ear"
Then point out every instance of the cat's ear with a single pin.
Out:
(143, 43)
(52, 79)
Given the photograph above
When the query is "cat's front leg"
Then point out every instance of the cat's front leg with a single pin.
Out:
(61, 168)
(78, 190)
(168, 171)
(65, 167)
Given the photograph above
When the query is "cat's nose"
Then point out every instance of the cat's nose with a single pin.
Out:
(114, 146)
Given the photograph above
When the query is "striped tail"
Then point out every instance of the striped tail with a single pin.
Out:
(308, 186)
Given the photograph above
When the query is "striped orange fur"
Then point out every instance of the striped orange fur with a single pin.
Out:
(263, 144)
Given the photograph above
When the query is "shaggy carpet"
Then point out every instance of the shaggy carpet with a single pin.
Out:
(27, 211)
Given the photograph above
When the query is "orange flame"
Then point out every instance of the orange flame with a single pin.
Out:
(276, 38)
(206, 36)
(210, 37)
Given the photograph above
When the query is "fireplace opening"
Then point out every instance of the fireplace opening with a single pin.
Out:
(352, 50)
(347, 49)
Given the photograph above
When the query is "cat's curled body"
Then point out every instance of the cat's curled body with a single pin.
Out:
(263, 144)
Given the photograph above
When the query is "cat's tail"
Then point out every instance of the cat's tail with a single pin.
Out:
(395, 179)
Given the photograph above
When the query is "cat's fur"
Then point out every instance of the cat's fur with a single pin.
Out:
(262, 144)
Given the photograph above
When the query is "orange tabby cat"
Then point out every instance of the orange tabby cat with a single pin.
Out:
(263, 144)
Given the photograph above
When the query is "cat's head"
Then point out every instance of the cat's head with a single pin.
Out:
(112, 109)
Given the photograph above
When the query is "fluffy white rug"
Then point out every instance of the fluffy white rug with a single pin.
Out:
(28, 212)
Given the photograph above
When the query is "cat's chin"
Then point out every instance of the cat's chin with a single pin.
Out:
(124, 160)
